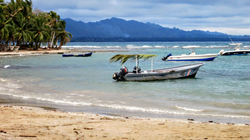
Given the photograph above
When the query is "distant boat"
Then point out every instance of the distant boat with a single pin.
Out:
(190, 57)
(77, 55)
(184, 71)
(236, 51)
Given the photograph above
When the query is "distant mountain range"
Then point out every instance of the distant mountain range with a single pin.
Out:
(133, 30)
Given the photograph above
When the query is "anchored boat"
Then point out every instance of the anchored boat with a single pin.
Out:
(184, 71)
(236, 51)
(190, 57)
(77, 55)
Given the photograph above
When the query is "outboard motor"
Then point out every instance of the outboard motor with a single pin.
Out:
(166, 57)
(119, 75)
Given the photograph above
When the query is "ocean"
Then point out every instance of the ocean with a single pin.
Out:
(220, 91)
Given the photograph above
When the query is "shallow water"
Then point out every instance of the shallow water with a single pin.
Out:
(220, 91)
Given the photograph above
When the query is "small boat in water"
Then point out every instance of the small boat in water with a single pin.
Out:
(184, 71)
(77, 55)
(191, 57)
(236, 51)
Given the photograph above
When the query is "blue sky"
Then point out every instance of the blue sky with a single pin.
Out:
(227, 16)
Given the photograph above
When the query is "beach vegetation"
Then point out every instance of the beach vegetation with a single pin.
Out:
(22, 26)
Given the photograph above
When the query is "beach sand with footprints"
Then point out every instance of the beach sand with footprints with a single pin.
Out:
(22, 123)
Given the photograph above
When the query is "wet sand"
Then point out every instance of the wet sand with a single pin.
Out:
(19, 123)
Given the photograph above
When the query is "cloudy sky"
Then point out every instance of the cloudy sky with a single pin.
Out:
(226, 16)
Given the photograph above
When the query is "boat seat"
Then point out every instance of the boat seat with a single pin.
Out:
(137, 70)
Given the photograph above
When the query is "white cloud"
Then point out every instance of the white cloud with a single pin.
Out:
(228, 16)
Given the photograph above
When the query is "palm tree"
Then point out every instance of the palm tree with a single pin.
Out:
(23, 33)
(23, 23)
(40, 32)
(3, 29)
(11, 11)
(9, 36)
(54, 23)
(2, 18)
(19, 24)
(64, 37)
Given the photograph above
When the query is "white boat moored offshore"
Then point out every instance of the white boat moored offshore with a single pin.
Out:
(190, 57)
(236, 51)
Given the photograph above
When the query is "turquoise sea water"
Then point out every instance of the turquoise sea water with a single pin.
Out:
(220, 92)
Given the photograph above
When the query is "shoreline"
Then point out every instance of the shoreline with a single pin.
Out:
(21, 122)
(12, 101)
(55, 51)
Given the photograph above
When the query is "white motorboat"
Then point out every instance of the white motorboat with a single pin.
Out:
(184, 71)
(236, 51)
(190, 57)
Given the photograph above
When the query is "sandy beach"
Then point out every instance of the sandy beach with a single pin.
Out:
(40, 51)
(52, 51)
(21, 123)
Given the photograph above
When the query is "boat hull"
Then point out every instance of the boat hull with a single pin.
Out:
(239, 52)
(77, 55)
(205, 57)
(184, 71)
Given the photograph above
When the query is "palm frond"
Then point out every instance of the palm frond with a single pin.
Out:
(125, 57)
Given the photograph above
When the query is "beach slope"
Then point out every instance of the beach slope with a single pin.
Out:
(20, 123)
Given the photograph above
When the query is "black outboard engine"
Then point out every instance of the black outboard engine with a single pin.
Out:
(119, 76)
(166, 57)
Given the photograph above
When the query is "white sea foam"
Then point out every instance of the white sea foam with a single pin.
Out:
(113, 47)
(65, 102)
(134, 108)
(77, 47)
(146, 46)
(159, 46)
(132, 47)
(176, 46)
(154, 110)
(188, 109)
(216, 46)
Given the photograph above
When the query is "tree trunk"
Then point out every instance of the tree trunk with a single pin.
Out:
(52, 45)
(57, 44)
(48, 45)
(17, 43)
(36, 46)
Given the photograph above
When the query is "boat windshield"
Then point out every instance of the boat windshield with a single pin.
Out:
(192, 48)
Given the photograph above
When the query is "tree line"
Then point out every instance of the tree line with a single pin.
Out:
(22, 26)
